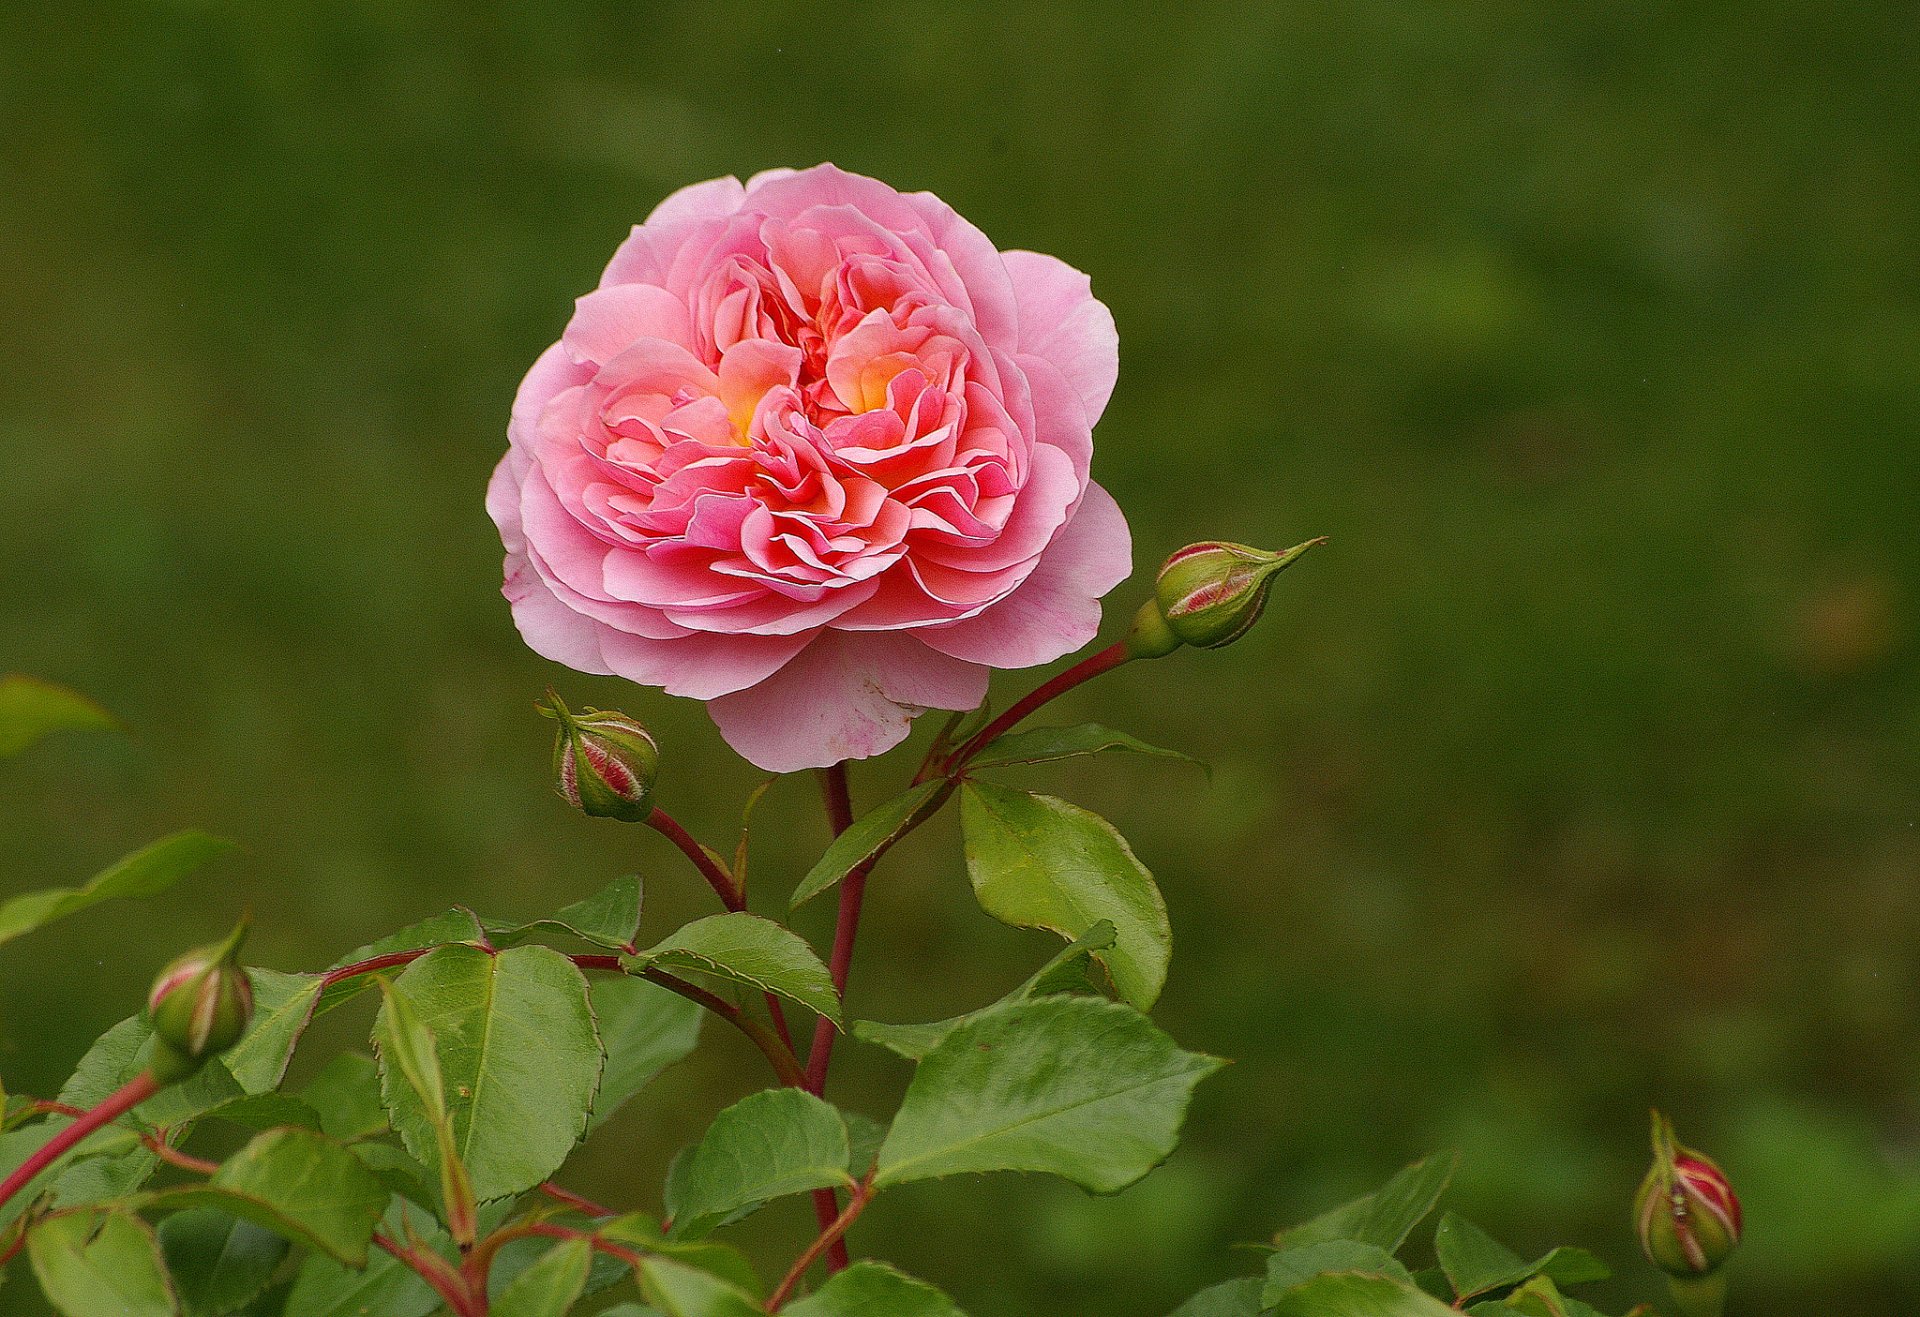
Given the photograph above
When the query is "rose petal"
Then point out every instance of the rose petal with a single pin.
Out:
(1061, 320)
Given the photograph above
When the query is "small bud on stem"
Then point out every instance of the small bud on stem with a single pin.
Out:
(1688, 1221)
(604, 762)
(1208, 595)
(200, 1005)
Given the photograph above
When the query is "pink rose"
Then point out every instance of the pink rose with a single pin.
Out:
(816, 452)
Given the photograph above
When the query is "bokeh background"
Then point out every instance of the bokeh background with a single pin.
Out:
(1582, 771)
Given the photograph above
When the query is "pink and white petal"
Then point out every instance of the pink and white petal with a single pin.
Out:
(552, 374)
(503, 499)
(608, 321)
(713, 199)
(990, 287)
(550, 628)
(699, 666)
(1057, 609)
(767, 176)
(1061, 320)
(1059, 415)
(843, 697)
(1038, 516)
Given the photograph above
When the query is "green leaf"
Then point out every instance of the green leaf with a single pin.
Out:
(1233, 1298)
(90, 1264)
(1078, 1087)
(110, 1166)
(1291, 1268)
(1066, 972)
(303, 1185)
(1039, 745)
(31, 708)
(1346, 1295)
(642, 1233)
(550, 1287)
(877, 828)
(387, 1287)
(346, 1095)
(776, 1142)
(864, 1137)
(1475, 1262)
(873, 1289)
(679, 1290)
(146, 872)
(609, 918)
(1388, 1215)
(519, 1055)
(265, 1111)
(458, 925)
(282, 1007)
(644, 1028)
(218, 1262)
(743, 948)
(1571, 1266)
(1039, 862)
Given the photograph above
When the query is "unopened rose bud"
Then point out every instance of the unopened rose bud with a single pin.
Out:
(1208, 595)
(603, 762)
(1686, 1214)
(200, 1005)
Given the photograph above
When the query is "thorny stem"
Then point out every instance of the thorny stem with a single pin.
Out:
(124, 1099)
(832, 1235)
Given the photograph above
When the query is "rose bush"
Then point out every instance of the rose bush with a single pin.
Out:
(817, 452)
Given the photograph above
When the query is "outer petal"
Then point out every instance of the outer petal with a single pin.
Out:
(712, 199)
(844, 697)
(1057, 609)
(1061, 320)
(551, 629)
(699, 666)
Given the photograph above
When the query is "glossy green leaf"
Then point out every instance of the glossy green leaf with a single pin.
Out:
(1385, 1217)
(346, 1096)
(1233, 1298)
(776, 1142)
(147, 872)
(864, 1137)
(123, 1052)
(108, 1167)
(458, 925)
(679, 1290)
(1039, 862)
(1075, 1086)
(747, 949)
(1040, 745)
(1066, 972)
(409, 1047)
(550, 1287)
(609, 918)
(644, 1028)
(303, 1185)
(31, 708)
(518, 1053)
(1290, 1268)
(282, 1007)
(1346, 1295)
(878, 827)
(92, 1264)
(873, 1289)
(218, 1262)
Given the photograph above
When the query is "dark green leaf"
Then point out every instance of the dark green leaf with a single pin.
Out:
(1083, 1088)
(1233, 1298)
(386, 1288)
(1040, 744)
(743, 948)
(642, 1233)
(31, 708)
(1039, 862)
(609, 918)
(264, 1111)
(303, 1185)
(218, 1262)
(282, 1007)
(776, 1142)
(1475, 1262)
(146, 872)
(679, 1290)
(644, 1028)
(1291, 1268)
(346, 1094)
(519, 1056)
(1338, 1295)
(108, 1167)
(878, 827)
(864, 1137)
(1572, 1266)
(550, 1287)
(873, 1289)
(91, 1264)
(1388, 1215)
(458, 925)
(1066, 972)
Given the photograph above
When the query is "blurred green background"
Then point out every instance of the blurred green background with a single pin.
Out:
(1581, 772)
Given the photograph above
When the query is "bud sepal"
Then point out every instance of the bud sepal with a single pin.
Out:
(604, 763)
(1208, 595)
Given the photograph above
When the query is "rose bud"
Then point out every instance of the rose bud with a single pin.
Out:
(200, 1005)
(603, 762)
(1208, 595)
(1686, 1214)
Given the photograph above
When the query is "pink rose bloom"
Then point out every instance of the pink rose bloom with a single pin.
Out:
(815, 452)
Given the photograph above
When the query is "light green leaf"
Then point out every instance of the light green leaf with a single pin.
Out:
(90, 1264)
(550, 1287)
(1233, 1298)
(1041, 744)
(31, 708)
(1039, 862)
(1475, 1262)
(743, 948)
(1291, 1268)
(776, 1142)
(873, 1289)
(609, 918)
(1066, 972)
(282, 1007)
(387, 1287)
(1571, 1266)
(642, 1233)
(864, 1137)
(458, 925)
(109, 1166)
(878, 827)
(123, 1052)
(147, 872)
(303, 1185)
(519, 1055)
(218, 1262)
(1346, 1295)
(1385, 1217)
(1075, 1086)
(346, 1095)
(644, 1028)
(679, 1290)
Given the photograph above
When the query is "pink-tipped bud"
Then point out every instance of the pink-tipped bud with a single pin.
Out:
(1686, 1214)
(200, 1005)
(604, 762)
(1208, 595)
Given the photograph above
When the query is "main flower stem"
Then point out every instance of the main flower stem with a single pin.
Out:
(116, 1104)
(838, 797)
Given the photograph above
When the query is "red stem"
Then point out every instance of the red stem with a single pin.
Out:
(124, 1099)
(438, 1273)
(1085, 670)
(832, 1237)
(838, 797)
(717, 878)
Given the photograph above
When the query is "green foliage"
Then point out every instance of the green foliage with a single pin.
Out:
(301, 1184)
(218, 1262)
(644, 1029)
(878, 827)
(874, 1289)
(147, 872)
(90, 1264)
(551, 1286)
(747, 949)
(1042, 745)
(31, 708)
(776, 1142)
(609, 918)
(679, 1290)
